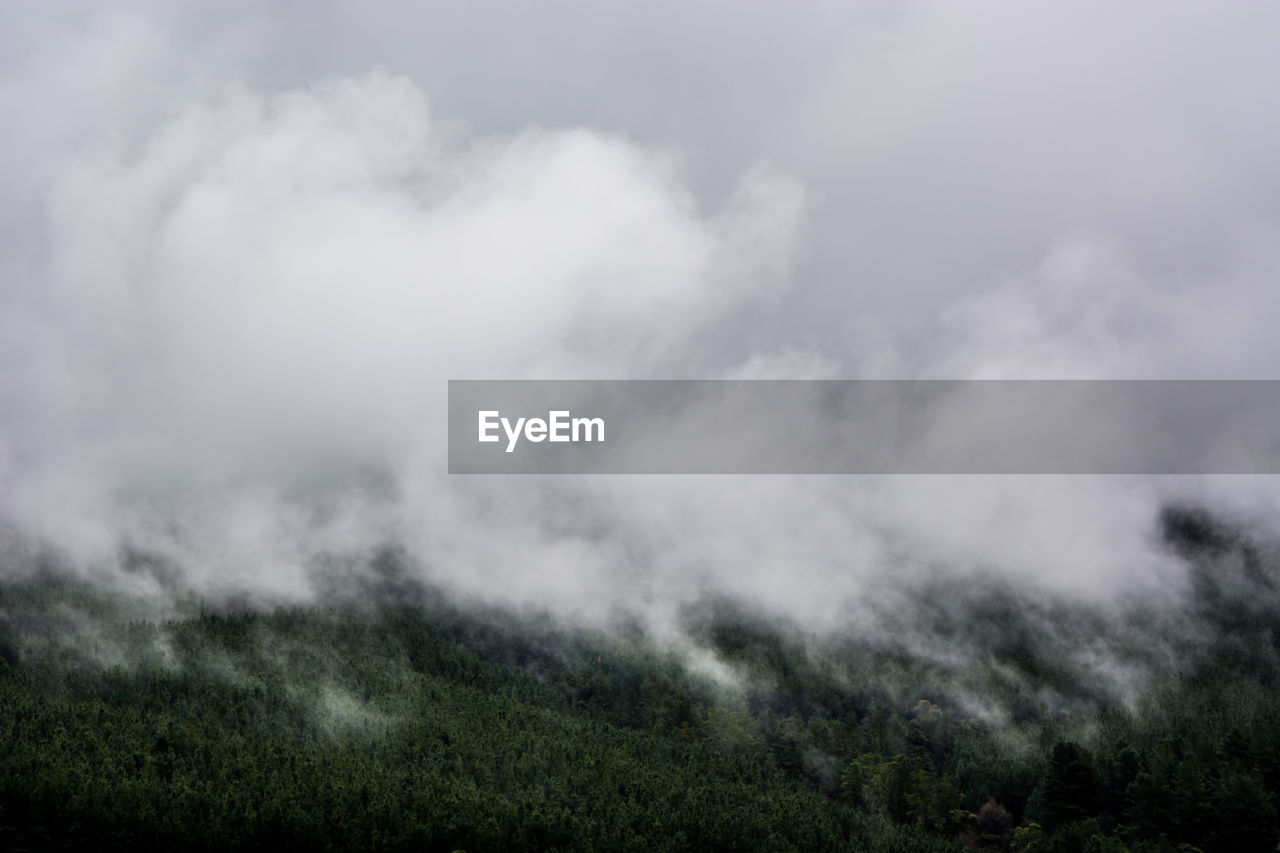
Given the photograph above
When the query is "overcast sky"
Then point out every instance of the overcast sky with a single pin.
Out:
(245, 244)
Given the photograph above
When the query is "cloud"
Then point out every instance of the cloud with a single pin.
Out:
(244, 248)
(1089, 311)
(261, 297)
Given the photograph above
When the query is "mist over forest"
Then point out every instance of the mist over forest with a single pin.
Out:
(244, 605)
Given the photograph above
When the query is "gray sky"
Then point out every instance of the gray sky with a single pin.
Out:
(246, 244)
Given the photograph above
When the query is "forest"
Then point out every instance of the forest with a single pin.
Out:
(392, 715)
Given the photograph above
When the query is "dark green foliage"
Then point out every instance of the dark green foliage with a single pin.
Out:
(397, 719)
(348, 730)
(1069, 787)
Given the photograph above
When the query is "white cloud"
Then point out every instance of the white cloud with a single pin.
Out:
(271, 284)
(239, 266)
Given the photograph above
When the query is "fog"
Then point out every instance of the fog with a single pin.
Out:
(244, 249)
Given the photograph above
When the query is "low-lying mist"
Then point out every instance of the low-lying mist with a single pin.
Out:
(980, 645)
(234, 288)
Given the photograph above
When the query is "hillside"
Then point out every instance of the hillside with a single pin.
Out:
(397, 718)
